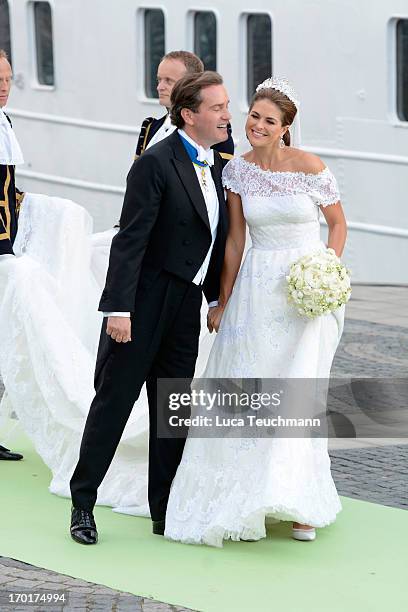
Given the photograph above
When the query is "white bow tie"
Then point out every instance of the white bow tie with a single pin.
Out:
(204, 155)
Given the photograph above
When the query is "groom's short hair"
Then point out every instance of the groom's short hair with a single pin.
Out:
(3, 54)
(187, 93)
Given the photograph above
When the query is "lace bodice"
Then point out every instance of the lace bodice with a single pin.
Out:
(249, 180)
(281, 208)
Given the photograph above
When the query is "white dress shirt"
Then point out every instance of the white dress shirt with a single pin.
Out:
(165, 130)
(211, 201)
(10, 151)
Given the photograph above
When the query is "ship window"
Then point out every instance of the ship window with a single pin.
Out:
(259, 51)
(402, 69)
(205, 38)
(5, 41)
(44, 43)
(154, 46)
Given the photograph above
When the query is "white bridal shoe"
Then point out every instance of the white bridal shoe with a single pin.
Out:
(305, 535)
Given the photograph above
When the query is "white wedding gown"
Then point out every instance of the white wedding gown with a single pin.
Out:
(227, 488)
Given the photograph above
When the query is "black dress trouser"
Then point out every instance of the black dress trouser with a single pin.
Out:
(165, 334)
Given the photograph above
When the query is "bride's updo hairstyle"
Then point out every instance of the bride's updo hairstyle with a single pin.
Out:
(287, 107)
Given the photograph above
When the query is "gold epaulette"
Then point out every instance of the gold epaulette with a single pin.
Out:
(4, 204)
(4, 235)
(19, 200)
(144, 133)
(226, 155)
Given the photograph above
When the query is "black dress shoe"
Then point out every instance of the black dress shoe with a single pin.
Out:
(7, 455)
(158, 527)
(83, 527)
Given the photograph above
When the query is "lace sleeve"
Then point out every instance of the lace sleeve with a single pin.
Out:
(230, 176)
(323, 188)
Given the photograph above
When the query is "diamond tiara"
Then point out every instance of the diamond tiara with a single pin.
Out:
(280, 84)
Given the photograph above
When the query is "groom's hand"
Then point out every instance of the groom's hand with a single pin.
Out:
(119, 329)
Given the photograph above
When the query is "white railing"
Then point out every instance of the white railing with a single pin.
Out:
(383, 230)
(83, 123)
(62, 180)
(361, 155)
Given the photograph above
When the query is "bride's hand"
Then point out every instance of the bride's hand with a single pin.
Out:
(214, 318)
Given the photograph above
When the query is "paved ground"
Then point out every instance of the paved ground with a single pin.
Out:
(373, 345)
(376, 474)
(18, 577)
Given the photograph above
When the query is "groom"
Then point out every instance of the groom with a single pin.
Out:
(169, 249)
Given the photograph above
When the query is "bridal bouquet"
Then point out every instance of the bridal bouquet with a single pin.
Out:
(318, 283)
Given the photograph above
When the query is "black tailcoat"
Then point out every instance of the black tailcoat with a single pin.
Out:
(163, 240)
(164, 226)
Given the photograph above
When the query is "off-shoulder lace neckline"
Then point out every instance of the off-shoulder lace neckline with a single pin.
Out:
(283, 172)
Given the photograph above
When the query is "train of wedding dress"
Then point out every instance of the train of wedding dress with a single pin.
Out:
(50, 326)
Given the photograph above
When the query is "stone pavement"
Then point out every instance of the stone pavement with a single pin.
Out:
(375, 473)
(374, 344)
(18, 577)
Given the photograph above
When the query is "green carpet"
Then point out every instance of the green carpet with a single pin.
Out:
(358, 564)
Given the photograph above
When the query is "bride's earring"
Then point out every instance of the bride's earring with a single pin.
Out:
(282, 143)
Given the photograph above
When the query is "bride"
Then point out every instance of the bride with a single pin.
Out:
(227, 488)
